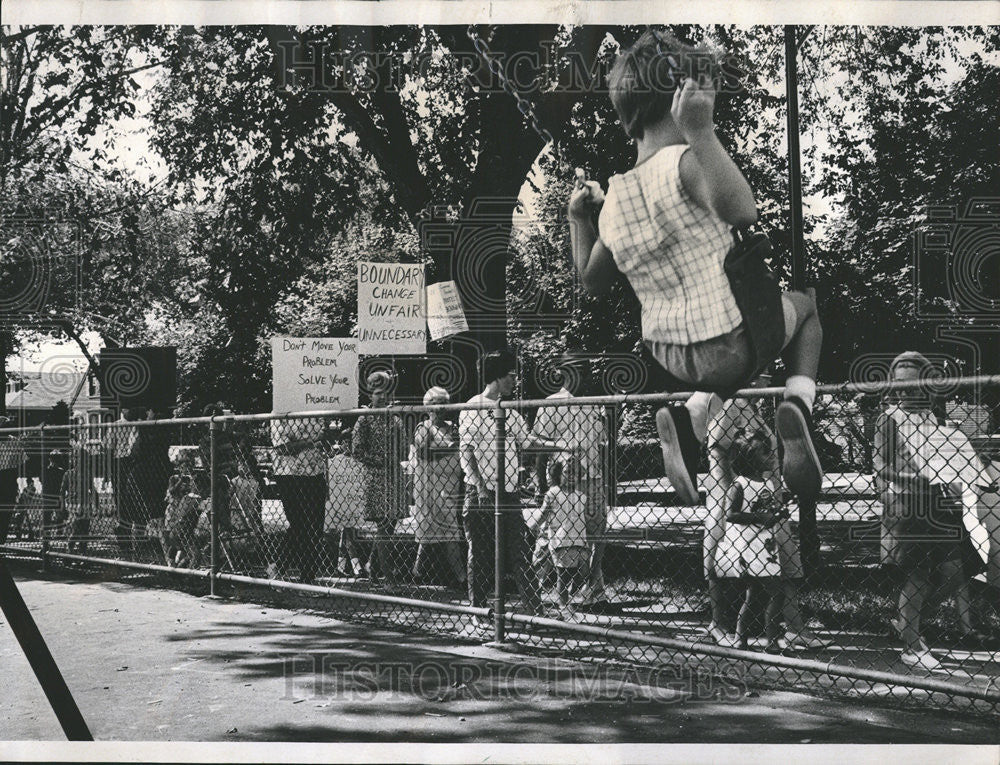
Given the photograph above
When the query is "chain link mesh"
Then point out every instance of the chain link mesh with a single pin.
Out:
(885, 587)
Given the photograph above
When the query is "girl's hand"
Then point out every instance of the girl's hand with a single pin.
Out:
(693, 106)
(585, 199)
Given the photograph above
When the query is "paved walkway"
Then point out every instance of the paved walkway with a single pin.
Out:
(149, 664)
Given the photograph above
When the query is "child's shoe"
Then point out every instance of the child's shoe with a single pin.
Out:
(680, 450)
(715, 633)
(777, 647)
(920, 660)
(805, 639)
(897, 631)
(800, 466)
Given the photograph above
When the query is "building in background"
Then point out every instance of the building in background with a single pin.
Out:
(30, 396)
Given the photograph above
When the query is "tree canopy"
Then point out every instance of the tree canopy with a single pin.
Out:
(291, 153)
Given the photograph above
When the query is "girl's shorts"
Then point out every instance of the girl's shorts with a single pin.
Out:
(570, 557)
(721, 362)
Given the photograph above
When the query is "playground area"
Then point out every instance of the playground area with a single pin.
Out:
(152, 664)
(654, 605)
(490, 376)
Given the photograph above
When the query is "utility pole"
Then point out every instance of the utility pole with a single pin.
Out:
(794, 165)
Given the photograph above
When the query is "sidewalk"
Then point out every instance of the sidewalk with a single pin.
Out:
(147, 664)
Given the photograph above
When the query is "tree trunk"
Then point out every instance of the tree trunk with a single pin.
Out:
(477, 259)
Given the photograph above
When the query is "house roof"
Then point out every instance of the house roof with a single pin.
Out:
(43, 390)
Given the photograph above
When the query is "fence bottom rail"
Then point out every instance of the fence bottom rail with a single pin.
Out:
(608, 634)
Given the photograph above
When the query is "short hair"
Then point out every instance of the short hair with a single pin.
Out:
(560, 465)
(497, 364)
(645, 77)
(928, 371)
(214, 409)
(379, 381)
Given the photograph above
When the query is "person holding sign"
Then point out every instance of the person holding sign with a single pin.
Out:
(300, 472)
(922, 527)
(377, 445)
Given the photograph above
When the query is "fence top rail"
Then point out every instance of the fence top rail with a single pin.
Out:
(934, 386)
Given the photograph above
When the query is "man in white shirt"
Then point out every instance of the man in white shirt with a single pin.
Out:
(477, 449)
(583, 429)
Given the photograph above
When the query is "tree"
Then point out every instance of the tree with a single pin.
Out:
(241, 120)
(60, 85)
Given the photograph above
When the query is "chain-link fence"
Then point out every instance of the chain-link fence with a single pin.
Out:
(549, 523)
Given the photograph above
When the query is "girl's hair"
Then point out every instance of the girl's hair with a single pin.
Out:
(180, 484)
(644, 78)
(560, 466)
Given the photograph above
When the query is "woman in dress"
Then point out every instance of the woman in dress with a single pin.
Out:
(376, 444)
(923, 534)
(436, 489)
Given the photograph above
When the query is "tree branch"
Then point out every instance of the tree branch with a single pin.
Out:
(392, 148)
(23, 34)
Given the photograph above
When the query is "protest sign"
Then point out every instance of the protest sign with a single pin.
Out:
(314, 373)
(391, 315)
(345, 497)
(445, 316)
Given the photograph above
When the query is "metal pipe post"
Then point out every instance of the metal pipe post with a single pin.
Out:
(214, 485)
(43, 501)
(42, 664)
(794, 168)
(500, 416)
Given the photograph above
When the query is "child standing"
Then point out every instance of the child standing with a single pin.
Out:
(183, 509)
(666, 225)
(749, 551)
(79, 501)
(753, 541)
(563, 521)
(245, 502)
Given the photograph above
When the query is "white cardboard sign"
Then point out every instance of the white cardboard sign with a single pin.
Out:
(445, 316)
(314, 373)
(391, 313)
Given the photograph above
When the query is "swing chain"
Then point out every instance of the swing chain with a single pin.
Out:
(523, 104)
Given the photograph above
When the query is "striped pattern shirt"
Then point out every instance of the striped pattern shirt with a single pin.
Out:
(671, 251)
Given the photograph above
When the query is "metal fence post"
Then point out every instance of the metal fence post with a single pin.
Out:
(43, 501)
(611, 455)
(213, 473)
(500, 416)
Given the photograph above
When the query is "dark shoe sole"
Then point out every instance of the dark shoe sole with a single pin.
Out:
(673, 458)
(800, 466)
